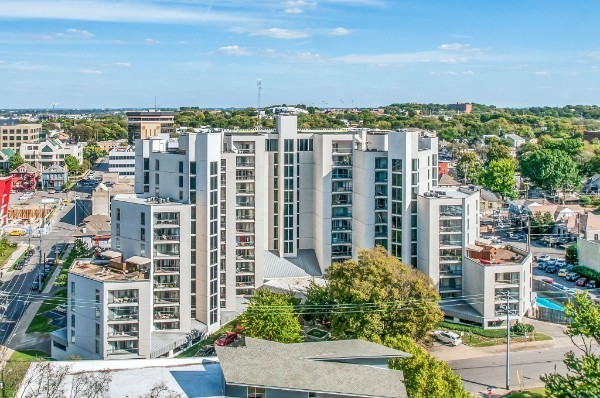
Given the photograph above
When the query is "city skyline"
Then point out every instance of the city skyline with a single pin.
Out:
(336, 53)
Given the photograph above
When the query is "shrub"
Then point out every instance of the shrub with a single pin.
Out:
(522, 328)
(587, 272)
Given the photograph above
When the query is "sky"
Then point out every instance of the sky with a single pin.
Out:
(324, 53)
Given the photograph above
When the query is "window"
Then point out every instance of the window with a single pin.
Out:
(256, 392)
(180, 181)
(156, 164)
(156, 179)
(193, 168)
(142, 248)
(181, 167)
(305, 145)
(97, 296)
(72, 320)
(288, 145)
(97, 346)
(142, 218)
(72, 287)
(117, 229)
(271, 145)
(97, 311)
(97, 330)
(142, 233)
(117, 244)
(72, 336)
(118, 214)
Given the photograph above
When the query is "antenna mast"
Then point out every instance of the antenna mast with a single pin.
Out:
(259, 87)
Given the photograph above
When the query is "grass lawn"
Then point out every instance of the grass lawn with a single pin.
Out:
(535, 393)
(478, 337)
(190, 352)
(40, 323)
(9, 251)
(16, 367)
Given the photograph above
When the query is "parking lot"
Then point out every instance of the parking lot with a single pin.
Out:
(554, 278)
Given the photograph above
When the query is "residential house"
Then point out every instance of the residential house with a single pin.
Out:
(25, 177)
(95, 231)
(516, 206)
(446, 180)
(54, 177)
(491, 203)
(5, 155)
(516, 140)
(333, 369)
(590, 226)
(592, 185)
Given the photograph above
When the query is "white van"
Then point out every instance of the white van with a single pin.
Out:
(448, 337)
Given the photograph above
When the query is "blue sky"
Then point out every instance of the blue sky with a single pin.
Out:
(210, 53)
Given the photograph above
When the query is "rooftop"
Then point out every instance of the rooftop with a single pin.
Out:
(485, 253)
(103, 273)
(449, 192)
(344, 367)
(147, 200)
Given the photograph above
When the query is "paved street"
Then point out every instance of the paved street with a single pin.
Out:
(18, 287)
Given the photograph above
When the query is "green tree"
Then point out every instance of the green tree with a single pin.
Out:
(378, 296)
(584, 370)
(542, 223)
(469, 168)
(571, 255)
(500, 177)
(4, 244)
(15, 161)
(271, 316)
(496, 151)
(551, 169)
(72, 164)
(425, 376)
(92, 153)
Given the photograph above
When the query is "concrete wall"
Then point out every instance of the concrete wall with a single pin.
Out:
(588, 253)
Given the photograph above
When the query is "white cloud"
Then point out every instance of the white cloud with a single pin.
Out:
(459, 47)
(76, 33)
(150, 41)
(234, 50)
(279, 33)
(90, 71)
(541, 73)
(340, 32)
(517, 67)
(135, 11)
(298, 6)
(468, 73)
(122, 64)
(458, 60)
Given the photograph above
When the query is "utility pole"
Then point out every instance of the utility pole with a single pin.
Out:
(40, 249)
(507, 342)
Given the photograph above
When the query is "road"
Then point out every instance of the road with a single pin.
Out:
(478, 373)
(18, 289)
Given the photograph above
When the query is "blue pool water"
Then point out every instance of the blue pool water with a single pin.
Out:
(542, 302)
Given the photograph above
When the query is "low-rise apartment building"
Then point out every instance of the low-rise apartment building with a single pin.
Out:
(121, 160)
(13, 134)
(50, 153)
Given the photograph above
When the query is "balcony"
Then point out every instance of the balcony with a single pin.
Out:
(166, 267)
(169, 237)
(244, 284)
(122, 351)
(342, 163)
(341, 188)
(122, 334)
(244, 203)
(245, 191)
(122, 301)
(242, 216)
(243, 229)
(344, 226)
(341, 214)
(381, 191)
(246, 151)
(450, 272)
(172, 222)
(341, 175)
(244, 175)
(445, 242)
(166, 253)
(343, 150)
(168, 301)
(122, 316)
(163, 316)
(242, 268)
(450, 288)
(244, 243)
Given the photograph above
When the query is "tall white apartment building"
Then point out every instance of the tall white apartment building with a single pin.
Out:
(473, 277)
(250, 206)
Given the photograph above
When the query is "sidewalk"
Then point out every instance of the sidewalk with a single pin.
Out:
(18, 337)
(6, 274)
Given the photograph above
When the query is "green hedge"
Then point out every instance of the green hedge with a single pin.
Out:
(587, 272)
(491, 333)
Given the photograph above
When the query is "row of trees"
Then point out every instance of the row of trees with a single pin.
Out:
(376, 298)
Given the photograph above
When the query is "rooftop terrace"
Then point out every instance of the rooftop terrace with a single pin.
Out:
(102, 272)
(488, 255)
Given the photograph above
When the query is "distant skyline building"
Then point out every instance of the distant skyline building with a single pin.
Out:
(460, 107)
(146, 124)
(13, 134)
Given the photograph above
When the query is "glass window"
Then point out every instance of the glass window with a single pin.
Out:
(181, 167)
(180, 181)
(156, 164)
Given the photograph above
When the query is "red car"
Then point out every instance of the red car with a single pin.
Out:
(226, 338)
(581, 281)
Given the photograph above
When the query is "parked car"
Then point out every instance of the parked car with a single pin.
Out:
(551, 269)
(61, 308)
(570, 267)
(581, 281)
(17, 232)
(544, 258)
(447, 337)
(572, 276)
(563, 272)
(542, 265)
(592, 284)
(548, 280)
(226, 339)
(560, 264)
(35, 285)
(47, 268)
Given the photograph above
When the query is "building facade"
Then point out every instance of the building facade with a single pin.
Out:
(5, 188)
(13, 134)
(54, 177)
(143, 125)
(121, 160)
(50, 153)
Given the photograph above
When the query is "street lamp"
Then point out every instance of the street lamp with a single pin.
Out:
(506, 307)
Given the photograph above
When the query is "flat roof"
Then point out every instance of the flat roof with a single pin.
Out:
(146, 200)
(103, 273)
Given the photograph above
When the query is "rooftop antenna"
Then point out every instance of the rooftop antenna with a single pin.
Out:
(259, 87)
(54, 104)
(155, 103)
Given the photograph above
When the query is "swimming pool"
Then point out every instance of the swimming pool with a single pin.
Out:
(542, 302)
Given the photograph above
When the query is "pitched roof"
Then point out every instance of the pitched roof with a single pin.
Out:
(590, 221)
(28, 169)
(330, 367)
(446, 180)
(8, 152)
(489, 196)
(305, 264)
(54, 169)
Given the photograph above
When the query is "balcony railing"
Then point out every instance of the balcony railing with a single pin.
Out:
(248, 243)
(169, 285)
(342, 163)
(245, 164)
(168, 221)
(341, 176)
(246, 150)
(123, 300)
(123, 333)
(345, 214)
(166, 300)
(166, 253)
(451, 272)
(122, 351)
(244, 177)
(342, 227)
(247, 203)
(166, 237)
(450, 258)
(245, 258)
(341, 150)
(123, 317)
(161, 316)
(245, 190)
(450, 288)
(247, 217)
(341, 189)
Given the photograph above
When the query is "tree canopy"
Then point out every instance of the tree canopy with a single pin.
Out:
(72, 164)
(15, 161)
(375, 297)
(271, 316)
(550, 169)
(500, 177)
(583, 369)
